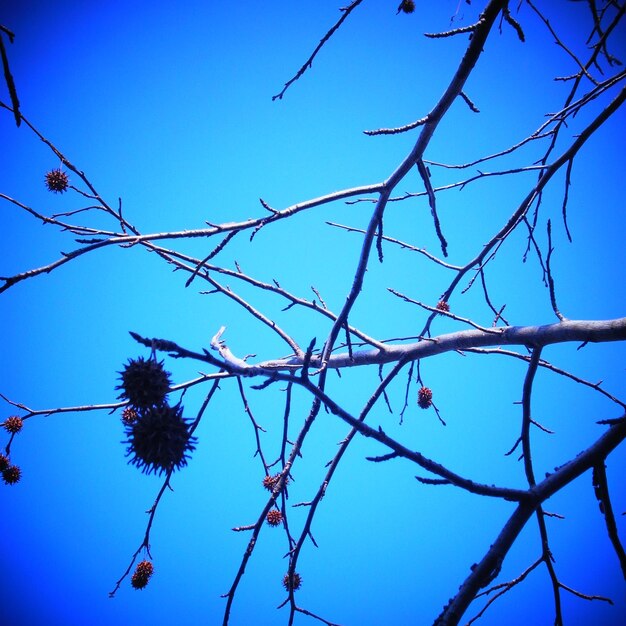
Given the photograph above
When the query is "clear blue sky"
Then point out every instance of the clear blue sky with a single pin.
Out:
(168, 106)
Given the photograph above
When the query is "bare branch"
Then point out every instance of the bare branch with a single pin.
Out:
(309, 62)
(601, 488)
(425, 174)
(8, 77)
(549, 275)
(297, 383)
(483, 572)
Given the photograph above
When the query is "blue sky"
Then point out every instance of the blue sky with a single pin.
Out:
(170, 109)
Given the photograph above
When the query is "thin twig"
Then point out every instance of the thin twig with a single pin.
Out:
(309, 62)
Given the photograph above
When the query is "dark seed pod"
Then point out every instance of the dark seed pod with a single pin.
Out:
(142, 574)
(11, 475)
(424, 397)
(57, 181)
(159, 440)
(293, 582)
(129, 416)
(269, 482)
(13, 424)
(144, 383)
(274, 517)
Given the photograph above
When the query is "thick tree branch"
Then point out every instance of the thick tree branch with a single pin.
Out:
(482, 572)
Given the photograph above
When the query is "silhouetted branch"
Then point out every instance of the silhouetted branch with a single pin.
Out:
(549, 275)
(484, 571)
(8, 77)
(601, 488)
(439, 289)
(309, 62)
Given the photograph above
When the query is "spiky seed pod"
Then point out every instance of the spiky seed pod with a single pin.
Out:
(293, 582)
(424, 397)
(159, 439)
(442, 305)
(144, 382)
(274, 517)
(145, 568)
(57, 181)
(138, 582)
(13, 424)
(406, 6)
(269, 482)
(129, 416)
(4, 462)
(142, 574)
(11, 475)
